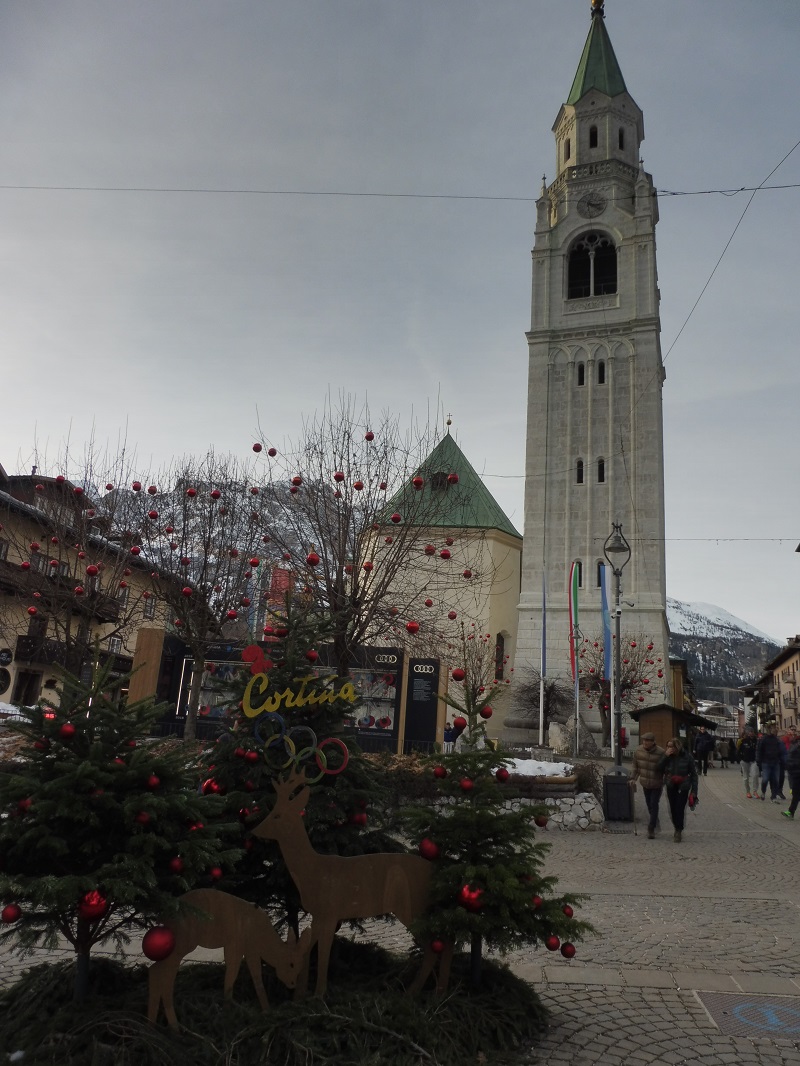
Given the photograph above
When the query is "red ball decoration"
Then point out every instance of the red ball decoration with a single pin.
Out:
(412, 627)
(215, 494)
(24, 805)
(142, 818)
(449, 542)
(467, 784)
(109, 486)
(338, 476)
(470, 898)
(35, 546)
(459, 722)
(153, 782)
(552, 943)
(256, 447)
(176, 865)
(368, 566)
(437, 946)
(502, 774)
(92, 906)
(251, 756)
(32, 611)
(137, 486)
(485, 712)
(428, 849)
(369, 435)
(186, 591)
(191, 493)
(10, 913)
(152, 514)
(312, 655)
(541, 820)
(60, 479)
(444, 553)
(429, 549)
(467, 573)
(135, 549)
(417, 482)
(568, 950)
(568, 910)
(67, 731)
(231, 614)
(215, 873)
(158, 943)
(452, 615)
(429, 603)
(358, 485)
(537, 902)
(440, 772)
(43, 744)
(452, 479)
(312, 559)
(458, 674)
(152, 490)
(25, 566)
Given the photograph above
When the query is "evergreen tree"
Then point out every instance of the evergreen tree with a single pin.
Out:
(104, 826)
(300, 726)
(488, 885)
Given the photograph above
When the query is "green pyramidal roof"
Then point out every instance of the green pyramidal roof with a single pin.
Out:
(468, 504)
(598, 68)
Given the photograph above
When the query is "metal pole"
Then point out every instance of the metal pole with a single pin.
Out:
(618, 669)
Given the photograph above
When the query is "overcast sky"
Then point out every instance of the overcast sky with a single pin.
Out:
(175, 316)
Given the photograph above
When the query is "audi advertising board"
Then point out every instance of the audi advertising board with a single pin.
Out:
(422, 704)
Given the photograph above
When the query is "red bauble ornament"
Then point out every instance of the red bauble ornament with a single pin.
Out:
(152, 490)
(135, 549)
(142, 818)
(312, 559)
(312, 655)
(109, 486)
(369, 435)
(444, 553)
(338, 476)
(137, 486)
(215, 873)
(92, 906)
(459, 722)
(153, 782)
(467, 573)
(412, 627)
(158, 943)
(541, 820)
(470, 898)
(272, 452)
(210, 787)
(440, 772)
(568, 910)
(256, 447)
(32, 611)
(428, 849)
(383, 486)
(452, 479)
(186, 591)
(485, 712)
(458, 674)
(417, 482)
(10, 913)
(60, 479)
(467, 784)
(35, 546)
(502, 774)
(429, 603)
(251, 756)
(25, 566)
(452, 615)
(368, 566)
(43, 744)
(152, 514)
(552, 943)
(191, 493)
(568, 950)
(24, 805)
(67, 731)
(358, 485)
(429, 549)
(537, 902)
(215, 494)
(231, 614)
(437, 946)
(176, 865)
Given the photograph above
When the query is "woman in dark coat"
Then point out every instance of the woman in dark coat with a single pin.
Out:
(680, 777)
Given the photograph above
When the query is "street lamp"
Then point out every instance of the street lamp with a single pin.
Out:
(618, 552)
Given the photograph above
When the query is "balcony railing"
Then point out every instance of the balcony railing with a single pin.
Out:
(41, 650)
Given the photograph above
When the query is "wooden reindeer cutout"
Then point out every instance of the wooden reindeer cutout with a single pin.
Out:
(335, 888)
(243, 930)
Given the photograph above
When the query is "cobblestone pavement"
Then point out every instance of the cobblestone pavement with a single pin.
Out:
(717, 913)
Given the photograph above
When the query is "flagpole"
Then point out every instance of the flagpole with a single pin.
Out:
(543, 661)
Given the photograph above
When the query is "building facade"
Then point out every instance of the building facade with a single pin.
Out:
(595, 439)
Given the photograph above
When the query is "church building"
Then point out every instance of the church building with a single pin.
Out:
(594, 440)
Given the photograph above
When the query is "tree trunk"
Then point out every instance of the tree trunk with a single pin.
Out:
(190, 727)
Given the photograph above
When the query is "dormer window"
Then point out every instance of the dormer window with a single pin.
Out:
(592, 267)
(439, 482)
(593, 136)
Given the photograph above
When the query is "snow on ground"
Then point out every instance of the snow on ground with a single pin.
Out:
(534, 768)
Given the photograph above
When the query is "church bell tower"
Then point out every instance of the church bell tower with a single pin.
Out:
(595, 452)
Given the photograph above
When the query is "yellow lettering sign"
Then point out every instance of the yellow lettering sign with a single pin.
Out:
(258, 684)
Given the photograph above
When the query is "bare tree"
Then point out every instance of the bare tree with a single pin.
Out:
(641, 673)
(358, 512)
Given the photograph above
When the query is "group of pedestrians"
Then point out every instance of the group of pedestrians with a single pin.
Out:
(767, 760)
(671, 767)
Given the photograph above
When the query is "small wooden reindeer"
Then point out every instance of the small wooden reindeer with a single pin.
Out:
(335, 888)
(243, 930)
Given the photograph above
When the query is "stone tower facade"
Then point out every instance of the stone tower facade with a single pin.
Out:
(594, 440)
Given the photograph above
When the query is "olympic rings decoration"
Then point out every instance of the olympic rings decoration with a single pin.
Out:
(320, 757)
(282, 742)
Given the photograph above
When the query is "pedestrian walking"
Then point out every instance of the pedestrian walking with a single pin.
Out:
(770, 756)
(747, 759)
(646, 760)
(722, 752)
(703, 746)
(680, 777)
(733, 754)
(793, 773)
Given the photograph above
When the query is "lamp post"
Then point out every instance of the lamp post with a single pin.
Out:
(618, 553)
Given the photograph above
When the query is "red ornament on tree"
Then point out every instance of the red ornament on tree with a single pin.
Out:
(32, 611)
(485, 712)
(412, 627)
(92, 906)
(176, 865)
(186, 591)
(142, 818)
(369, 435)
(215, 873)
(10, 913)
(256, 447)
(429, 603)
(153, 782)
(437, 946)
(137, 486)
(158, 943)
(537, 902)
(458, 674)
(568, 950)
(502, 774)
(312, 655)
(417, 482)
(444, 554)
(312, 559)
(428, 849)
(440, 772)
(368, 566)
(467, 784)
(452, 479)
(467, 573)
(568, 910)
(459, 722)
(358, 485)
(67, 731)
(552, 943)
(231, 614)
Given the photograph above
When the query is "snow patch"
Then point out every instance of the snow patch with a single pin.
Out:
(534, 768)
(706, 620)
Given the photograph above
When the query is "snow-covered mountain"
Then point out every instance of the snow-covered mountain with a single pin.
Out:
(722, 652)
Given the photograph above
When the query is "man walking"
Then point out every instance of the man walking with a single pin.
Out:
(703, 746)
(747, 758)
(645, 769)
(770, 756)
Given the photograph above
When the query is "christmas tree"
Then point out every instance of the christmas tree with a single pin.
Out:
(291, 713)
(487, 885)
(104, 826)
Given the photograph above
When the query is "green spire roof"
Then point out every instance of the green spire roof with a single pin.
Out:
(598, 68)
(468, 504)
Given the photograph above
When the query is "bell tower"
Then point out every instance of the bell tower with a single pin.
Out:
(595, 438)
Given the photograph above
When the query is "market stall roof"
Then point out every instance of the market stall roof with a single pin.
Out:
(687, 718)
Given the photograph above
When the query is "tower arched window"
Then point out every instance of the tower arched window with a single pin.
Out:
(581, 374)
(599, 573)
(601, 372)
(579, 472)
(622, 140)
(593, 136)
(601, 471)
(579, 568)
(567, 149)
(592, 267)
